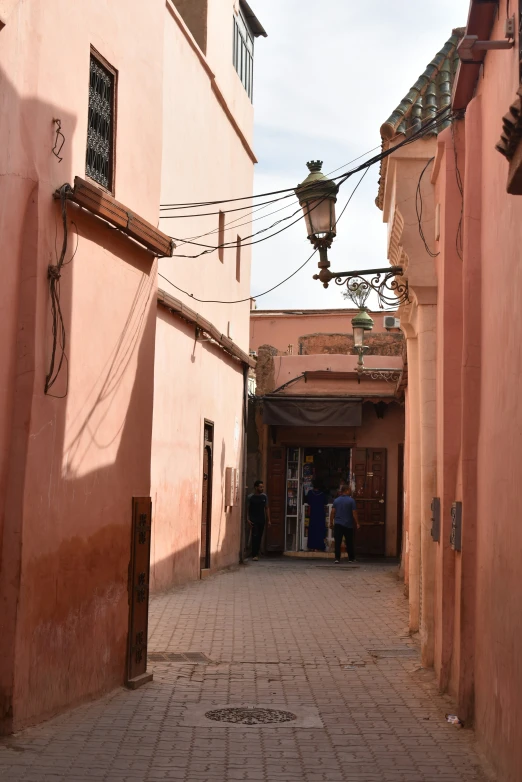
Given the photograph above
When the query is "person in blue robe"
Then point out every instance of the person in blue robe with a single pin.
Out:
(317, 501)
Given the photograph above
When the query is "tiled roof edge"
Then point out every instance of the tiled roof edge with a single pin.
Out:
(403, 110)
(389, 128)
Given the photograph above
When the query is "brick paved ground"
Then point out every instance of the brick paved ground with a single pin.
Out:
(286, 634)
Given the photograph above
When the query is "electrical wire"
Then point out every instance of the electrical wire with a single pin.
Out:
(232, 224)
(258, 296)
(354, 160)
(220, 211)
(192, 204)
(259, 207)
(424, 128)
(419, 208)
(239, 301)
(459, 244)
(265, 203)
(211, 248)
(58, 326)
(59, 140)
(428, 127)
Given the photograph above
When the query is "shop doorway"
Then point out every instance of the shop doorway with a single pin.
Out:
(330, 467)
(291, 471)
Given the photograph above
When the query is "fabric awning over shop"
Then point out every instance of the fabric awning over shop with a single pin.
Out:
(322, 411)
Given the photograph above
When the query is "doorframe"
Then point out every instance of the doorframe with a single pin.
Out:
(400, 499)
(210, 445)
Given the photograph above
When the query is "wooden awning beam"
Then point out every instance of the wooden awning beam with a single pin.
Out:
(177, 307)
(102, 204)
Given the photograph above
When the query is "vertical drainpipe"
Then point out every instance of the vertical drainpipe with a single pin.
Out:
(244, 465)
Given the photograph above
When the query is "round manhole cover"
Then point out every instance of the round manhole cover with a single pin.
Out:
(248, 716)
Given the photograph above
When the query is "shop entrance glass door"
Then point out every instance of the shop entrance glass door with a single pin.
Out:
(330, 467)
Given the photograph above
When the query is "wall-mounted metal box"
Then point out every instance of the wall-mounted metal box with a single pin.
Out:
(456, 526)
(435, 519)
(231, 487)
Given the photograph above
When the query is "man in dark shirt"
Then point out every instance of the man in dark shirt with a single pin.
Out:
(257, 514)
(343, 518)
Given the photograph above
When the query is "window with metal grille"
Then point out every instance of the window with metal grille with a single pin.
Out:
(99, 164)
(243, 53)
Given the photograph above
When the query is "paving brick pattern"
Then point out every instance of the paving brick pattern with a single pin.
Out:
(286, 634)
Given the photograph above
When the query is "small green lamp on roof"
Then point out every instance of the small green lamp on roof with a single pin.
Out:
(358, 291)
(360, 323)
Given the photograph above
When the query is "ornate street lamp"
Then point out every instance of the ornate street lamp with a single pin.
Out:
(361, 323)
(317, 196)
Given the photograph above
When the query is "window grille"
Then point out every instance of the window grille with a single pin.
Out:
(99, 164)
(243, 53)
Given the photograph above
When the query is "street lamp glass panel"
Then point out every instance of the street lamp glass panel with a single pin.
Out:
(358, 336)
(320, 217)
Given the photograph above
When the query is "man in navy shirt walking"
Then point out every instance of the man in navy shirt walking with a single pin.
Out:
(257, 514)
(343, 518)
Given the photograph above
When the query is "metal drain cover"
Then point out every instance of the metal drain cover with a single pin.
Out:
(246, 716)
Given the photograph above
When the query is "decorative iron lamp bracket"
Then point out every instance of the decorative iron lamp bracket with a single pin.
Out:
(390, 375)
(391, 292)
(373, 373)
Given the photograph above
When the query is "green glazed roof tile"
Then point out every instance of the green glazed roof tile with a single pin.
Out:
(430, 93)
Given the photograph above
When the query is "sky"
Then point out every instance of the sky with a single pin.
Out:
(325, 79)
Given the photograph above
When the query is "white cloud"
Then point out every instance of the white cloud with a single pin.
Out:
(328, 75)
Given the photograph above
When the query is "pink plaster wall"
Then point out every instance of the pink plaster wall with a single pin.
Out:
(498, 673)
(204, 158)
(449, 399)
(405, 554)
(284, 327)
(193, 382)
(70, 466)
(478, 618)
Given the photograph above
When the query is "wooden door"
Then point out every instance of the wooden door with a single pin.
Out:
(276, 491)
(369, 467)
(139, 573)
(206, 498)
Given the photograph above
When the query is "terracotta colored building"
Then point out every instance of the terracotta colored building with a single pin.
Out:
(462, 500)
(202, 354)
(75, 452)
(311, 418)
(98, 130)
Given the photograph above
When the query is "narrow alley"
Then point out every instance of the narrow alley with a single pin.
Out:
(327, 644)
